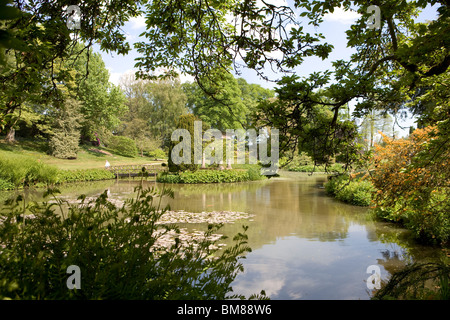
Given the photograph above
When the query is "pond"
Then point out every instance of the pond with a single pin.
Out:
(305, 245)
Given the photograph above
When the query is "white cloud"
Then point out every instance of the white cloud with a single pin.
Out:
(138, 22)
(342, 16)
(115, 77)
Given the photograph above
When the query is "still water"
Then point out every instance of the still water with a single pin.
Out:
(305, 245)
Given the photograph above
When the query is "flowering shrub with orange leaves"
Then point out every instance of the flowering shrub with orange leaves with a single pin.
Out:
(412, 178)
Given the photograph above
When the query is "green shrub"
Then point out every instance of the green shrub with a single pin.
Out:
(157, 154)
(357, 192)
(21, 171)
(211, 176)
(81, 175)
(254, 173)
(116, 251)
(168, 177)
(123, 146)
(428, 219)
(337, 167)
(5, 185)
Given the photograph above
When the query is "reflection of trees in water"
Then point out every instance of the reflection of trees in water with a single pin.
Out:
(394, 260)
(390, 233)
(283, 207)
(405, 250)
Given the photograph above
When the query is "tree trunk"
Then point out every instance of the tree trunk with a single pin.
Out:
(10, 136)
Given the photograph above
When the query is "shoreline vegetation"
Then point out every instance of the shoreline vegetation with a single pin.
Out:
(239, 173)
(31, 169)
(139, 236)
(23, 165)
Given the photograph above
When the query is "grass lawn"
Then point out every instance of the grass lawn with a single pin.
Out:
(86, 159)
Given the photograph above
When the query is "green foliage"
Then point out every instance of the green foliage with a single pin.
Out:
(412, 178)
(337, 167)
(66, 134)
(297, 160)
(65, 176)
(204, 41)
(157, 154)
(153, 110)
(7, 37)
(123, 146)
(38, 40)
(169, 178)
(185, 122)
(21, 171)
(116, 250)
(212, 176)
(254, 173)
(5, 185)
(221, 103)
(102, 103)
(355, 191)
(304, 163)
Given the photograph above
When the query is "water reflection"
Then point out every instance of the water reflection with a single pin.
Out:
(305, 245)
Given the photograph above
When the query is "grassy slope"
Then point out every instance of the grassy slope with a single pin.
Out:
(86, 159)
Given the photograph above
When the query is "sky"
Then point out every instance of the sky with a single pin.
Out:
(333, 27)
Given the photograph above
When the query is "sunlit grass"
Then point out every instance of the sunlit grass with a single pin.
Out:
(86, 159)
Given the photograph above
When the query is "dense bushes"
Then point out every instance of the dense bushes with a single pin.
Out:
(156, 154)
(304, 163)
(83, 175)
(337, 167)
(412, 177)
(24, 171)
(409, 184)
(5, 185)
(117, 252)
(356, 191)
(123, 146)
(212, 176)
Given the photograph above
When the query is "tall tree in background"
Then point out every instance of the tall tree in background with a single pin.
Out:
(154, 108)
(231, 106)
(102, 103)
(224, 110)
(251, 95)
(372, 124)
(65, 138)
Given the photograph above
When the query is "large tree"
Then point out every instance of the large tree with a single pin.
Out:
(38, 38)
(102, 102)
(154, 108)
(223, 110)
(401, 60)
